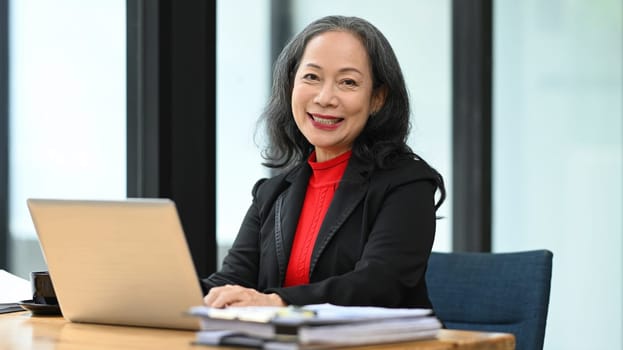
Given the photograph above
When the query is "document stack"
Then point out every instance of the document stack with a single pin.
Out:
(312, 326)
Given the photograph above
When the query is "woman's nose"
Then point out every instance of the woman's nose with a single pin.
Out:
(326, 95)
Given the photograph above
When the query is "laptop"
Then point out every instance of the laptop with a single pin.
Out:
(118, 262)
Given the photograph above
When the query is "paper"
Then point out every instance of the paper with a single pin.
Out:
(310, 314)
(13, 289)
(312, 326)
(333, 313)
(371, 332)
(247, 313)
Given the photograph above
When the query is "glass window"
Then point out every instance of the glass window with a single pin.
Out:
(243, 82)
(67, 97)
(558, 150)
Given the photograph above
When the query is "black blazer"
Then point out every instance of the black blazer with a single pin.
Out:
(372, 248)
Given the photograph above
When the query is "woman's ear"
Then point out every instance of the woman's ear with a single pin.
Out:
(378, 99)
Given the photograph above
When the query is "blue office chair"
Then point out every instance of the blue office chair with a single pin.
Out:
(493, 292)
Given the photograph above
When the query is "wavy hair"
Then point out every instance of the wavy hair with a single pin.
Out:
(384, 137)
(385, 133)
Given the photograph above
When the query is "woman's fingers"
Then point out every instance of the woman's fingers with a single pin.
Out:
(230, 295)
(219, 296)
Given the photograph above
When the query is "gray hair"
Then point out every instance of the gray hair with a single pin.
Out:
(384, 136)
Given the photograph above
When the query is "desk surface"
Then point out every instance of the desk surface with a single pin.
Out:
(21, 331)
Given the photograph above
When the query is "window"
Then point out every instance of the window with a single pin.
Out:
(67, 110)
(243, 83)
(557, 162)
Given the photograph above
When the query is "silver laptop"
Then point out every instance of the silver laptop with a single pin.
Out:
(118, 262)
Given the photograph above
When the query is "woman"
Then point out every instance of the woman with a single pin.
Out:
(351, 220)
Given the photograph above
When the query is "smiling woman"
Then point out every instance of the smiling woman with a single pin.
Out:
(351, 220)
(333, 93)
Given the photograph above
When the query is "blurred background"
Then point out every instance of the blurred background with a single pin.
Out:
(555, 142)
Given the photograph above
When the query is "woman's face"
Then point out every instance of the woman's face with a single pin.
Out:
(332, 96)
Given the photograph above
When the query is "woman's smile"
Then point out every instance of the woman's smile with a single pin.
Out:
(325, 122)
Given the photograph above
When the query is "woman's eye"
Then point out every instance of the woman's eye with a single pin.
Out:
(310, 76)
(349, 82)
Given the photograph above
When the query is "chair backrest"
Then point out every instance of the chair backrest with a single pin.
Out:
(495, 292)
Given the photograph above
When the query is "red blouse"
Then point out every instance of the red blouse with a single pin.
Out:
(323, 182)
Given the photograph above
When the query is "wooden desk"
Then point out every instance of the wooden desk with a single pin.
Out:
(20, 331)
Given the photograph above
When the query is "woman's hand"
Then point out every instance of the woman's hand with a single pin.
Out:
(230, 295)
